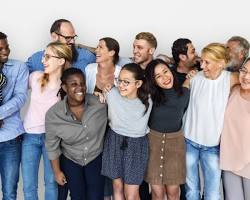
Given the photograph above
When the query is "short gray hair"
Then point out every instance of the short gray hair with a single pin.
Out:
(243, 44)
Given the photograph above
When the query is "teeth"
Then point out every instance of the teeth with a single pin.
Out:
(79, 93)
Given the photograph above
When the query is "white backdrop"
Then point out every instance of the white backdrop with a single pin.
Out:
(27, 23)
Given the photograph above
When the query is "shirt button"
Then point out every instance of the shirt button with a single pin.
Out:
(163, 135)
(162, 157)
(87, 138)
(85, 126)
(162, 149)
(161, 166)
(86, 148)
(163, 141)
(85, 159)
(160, 175)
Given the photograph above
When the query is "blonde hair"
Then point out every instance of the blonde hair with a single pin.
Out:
(149, 37)
(216, 52)
(62, 51)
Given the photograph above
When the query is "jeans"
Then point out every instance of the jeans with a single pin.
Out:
(10, 156)
(83, 182)
(33, 147)
(209, 161)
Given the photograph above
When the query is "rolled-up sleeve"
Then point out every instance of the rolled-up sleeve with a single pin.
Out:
(19, 94)
(52, 141)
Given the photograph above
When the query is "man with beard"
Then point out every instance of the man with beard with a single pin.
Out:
(238, 51)
(63, 31)
(185, 58)
(14, 97)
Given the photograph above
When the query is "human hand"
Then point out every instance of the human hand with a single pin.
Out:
(60, 178)
(101, 97)
(191, 74)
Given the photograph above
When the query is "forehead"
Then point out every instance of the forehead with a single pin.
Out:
(159, 68)
(232, 44)
(125, 74)
(102, 43)
(67, 29)
(190, 47)
(75, 77)
(3, 43)
(142, 43)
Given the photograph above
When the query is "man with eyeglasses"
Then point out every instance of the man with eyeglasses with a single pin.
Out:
(63, 31)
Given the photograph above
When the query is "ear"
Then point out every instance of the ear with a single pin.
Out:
(61, 61)
(139, 84)
(222, 64)
(54, 37)
(111, 53)
(151, 50)
(64, 88)
(182, 57)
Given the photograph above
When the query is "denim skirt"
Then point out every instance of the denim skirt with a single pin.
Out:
(166, 165)
(125, 157)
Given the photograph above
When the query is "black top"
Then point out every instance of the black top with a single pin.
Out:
(167, 117)
(181, 76)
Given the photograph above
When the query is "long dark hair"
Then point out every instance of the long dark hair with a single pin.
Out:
(156, 92)
(138, 72)
(65, 75)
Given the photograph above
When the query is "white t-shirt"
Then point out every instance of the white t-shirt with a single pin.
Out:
(204, 117)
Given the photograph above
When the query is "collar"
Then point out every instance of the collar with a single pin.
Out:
(67, 111)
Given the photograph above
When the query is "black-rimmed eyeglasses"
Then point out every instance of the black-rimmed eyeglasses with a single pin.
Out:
(67, 38)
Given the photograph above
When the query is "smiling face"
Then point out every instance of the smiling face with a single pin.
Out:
(244, 77)
(4, 51)
(127, 84)
(211, 68)
(143, 52)
(52, 62)
(75, 89)
(163, 76)
(102, 52)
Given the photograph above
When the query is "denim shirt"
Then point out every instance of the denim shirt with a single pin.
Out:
(14, 97)
(85, 57)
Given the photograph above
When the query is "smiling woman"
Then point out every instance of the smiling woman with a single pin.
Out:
(44, 87)
(75, 130)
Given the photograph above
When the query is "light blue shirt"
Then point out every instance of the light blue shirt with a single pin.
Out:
(85, 57)
(14, 97)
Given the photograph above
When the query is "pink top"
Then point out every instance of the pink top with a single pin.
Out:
(40, 102)
(235, 138)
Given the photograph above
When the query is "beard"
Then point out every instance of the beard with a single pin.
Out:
(74, 53)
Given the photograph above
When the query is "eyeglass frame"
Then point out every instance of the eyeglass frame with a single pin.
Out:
(124, 82)
(243, 72)
(47, 57)
(67, 38)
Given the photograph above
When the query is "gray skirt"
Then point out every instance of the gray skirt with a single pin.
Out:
(125, 158)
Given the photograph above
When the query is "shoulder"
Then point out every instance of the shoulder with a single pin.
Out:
(56, 110)
(83, 52)
(17, 64)
(92, 100)
(91, 67)
(37, 54)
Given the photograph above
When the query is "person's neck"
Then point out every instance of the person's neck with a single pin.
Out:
(145, 63)
(54, 78)
(182, 68)
(106, 68)
(245, 94)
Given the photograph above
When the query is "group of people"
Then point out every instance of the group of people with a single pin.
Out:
(110, 127)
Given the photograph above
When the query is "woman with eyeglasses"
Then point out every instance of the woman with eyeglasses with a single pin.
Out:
(44, 87)
(203, 121)
(125, 153)
(235, 140)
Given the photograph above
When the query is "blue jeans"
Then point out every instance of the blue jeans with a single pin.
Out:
(32, 148)
(10, 156)
(209, 160)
